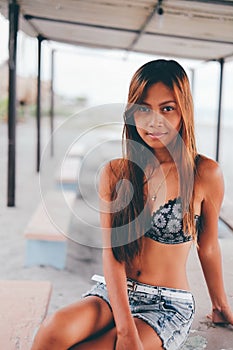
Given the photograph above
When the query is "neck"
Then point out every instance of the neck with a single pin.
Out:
(163, 156)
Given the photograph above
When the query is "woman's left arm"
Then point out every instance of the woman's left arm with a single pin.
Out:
(208, 245)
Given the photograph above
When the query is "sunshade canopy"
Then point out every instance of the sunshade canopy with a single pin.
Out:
(178, 28)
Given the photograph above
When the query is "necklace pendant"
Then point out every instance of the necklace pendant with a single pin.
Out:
(154, 198)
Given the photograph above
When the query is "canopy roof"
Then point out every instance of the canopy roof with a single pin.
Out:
(194, 29)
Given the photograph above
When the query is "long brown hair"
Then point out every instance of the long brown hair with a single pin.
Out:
(128, 224)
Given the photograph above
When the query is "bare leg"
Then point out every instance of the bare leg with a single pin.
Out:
(148, 336)
(73, 324)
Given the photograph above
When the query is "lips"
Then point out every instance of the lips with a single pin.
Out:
(156, 135)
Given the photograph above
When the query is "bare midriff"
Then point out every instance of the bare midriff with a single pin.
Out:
(161, 265)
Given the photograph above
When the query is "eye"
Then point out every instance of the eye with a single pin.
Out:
(144, 109)
(168, 109)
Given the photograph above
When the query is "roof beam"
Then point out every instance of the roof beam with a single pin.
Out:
(214, 2)
(98, 26)
(149, 52)
(144, 25)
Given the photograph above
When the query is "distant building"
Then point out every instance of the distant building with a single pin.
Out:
(26, 88)
(27, 95)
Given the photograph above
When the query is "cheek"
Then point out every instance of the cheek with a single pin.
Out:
(141, 131)
(174, 124)
(139, 121)
(140, 124)
(178, 124)
(178, 120)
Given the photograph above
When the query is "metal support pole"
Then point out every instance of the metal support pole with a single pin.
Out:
(221, 62)
(13, 29)
(52, 104)
(38, 109)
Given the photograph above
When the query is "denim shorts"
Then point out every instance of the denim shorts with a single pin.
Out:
(168, 311)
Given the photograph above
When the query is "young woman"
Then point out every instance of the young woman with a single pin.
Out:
(155, 203)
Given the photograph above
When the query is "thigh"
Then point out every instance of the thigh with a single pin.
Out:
(91, 312)
(77, 322)
(148, 336)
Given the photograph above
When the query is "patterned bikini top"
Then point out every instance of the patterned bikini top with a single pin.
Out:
(167, 224)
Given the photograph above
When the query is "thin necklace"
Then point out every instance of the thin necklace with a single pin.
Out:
(160, 184)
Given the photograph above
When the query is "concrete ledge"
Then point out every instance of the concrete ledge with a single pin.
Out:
(46, 233)
(46, 253)
(68, 173)
(204, 334)
(23, 307)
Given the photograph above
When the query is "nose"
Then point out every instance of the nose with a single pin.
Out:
(156, 120)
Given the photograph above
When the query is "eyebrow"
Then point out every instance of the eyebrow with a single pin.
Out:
(161, 104)
(166, 102)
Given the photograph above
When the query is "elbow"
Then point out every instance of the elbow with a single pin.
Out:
(208, 251)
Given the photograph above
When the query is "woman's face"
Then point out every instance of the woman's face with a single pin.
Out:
(158, 117)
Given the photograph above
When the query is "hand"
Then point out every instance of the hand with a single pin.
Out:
(129, 342)
(222, 316)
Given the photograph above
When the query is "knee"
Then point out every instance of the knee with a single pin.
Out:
(52, 332)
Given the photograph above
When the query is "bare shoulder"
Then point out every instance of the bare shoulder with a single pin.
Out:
(114, 168)
(207, 167)
(110, 173)
(209, 174)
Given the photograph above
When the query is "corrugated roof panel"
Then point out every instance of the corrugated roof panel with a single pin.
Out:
(85, 35)
(194, 24)
(111, 13)
(175, 25)
(182, 48)
(191, 29)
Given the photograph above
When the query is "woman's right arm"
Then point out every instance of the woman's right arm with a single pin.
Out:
(114, 272)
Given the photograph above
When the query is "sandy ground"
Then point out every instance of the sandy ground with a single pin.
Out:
(83, 261)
